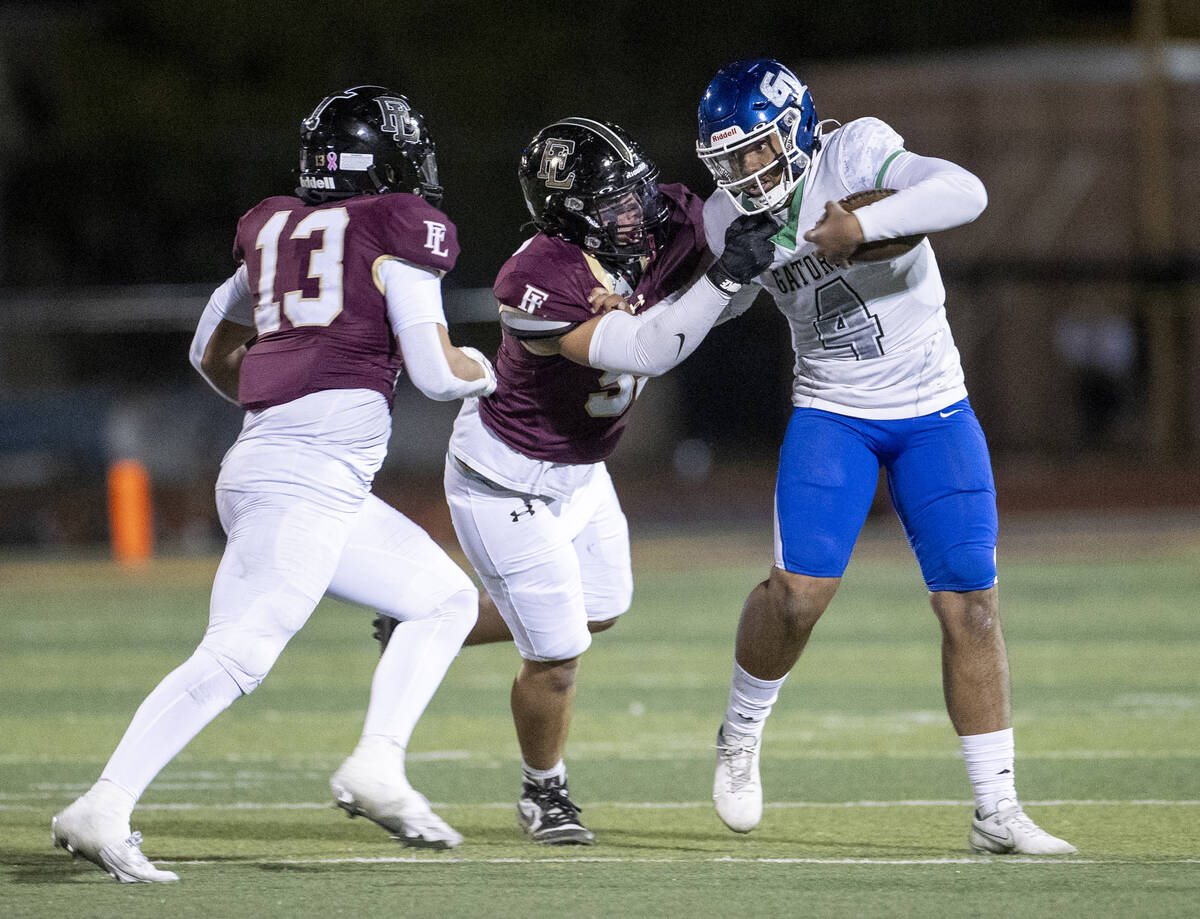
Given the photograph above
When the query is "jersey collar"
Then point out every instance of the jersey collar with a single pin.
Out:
(786, 236)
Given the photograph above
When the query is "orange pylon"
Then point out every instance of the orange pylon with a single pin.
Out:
(129, 513)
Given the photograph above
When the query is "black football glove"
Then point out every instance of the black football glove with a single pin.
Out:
(749, 252)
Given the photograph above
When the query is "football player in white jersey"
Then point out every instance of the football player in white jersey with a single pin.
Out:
(338, 287)
(878, 383)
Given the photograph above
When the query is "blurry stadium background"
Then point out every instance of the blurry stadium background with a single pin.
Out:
(136, 133)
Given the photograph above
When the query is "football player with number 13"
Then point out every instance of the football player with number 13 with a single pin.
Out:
(878, 383)
(337, 289)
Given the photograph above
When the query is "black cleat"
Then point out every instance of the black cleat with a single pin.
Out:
(550, 817)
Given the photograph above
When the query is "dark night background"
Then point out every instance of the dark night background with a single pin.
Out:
(138, 132)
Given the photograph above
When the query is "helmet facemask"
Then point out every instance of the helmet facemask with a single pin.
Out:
(624, 225)
(760, 170)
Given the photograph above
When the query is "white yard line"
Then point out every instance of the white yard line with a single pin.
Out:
(715, 860)
(8, 802)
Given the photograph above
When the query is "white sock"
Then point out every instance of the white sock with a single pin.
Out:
(990, 768)
(416, 659)
(177, 709)
(541, 776)
(379, 746)
(110, 797)
(750, 702)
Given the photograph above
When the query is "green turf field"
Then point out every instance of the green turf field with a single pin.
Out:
(867, 811)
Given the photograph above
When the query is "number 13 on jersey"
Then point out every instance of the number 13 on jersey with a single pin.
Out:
(324, 265)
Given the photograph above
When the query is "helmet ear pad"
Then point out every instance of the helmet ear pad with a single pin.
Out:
(383, 177)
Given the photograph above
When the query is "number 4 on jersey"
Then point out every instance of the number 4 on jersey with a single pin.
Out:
(843, 321)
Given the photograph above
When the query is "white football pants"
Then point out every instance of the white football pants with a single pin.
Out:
(551, 566)
(287, 543)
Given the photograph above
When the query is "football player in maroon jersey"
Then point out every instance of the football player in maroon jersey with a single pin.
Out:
(529, 494)
(337, 290)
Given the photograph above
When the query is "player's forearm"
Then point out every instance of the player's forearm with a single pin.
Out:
(217, 350)
(653, 343)
(222, 368)
(933, 195)
(438, 369)
(219, 343)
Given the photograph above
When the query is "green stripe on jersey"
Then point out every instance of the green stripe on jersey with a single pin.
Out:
(883, 168)
(786, 236)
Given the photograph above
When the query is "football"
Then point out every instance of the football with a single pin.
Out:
(881, 249)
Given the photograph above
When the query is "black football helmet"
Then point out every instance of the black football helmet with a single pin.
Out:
(366, 140)
(587, 182)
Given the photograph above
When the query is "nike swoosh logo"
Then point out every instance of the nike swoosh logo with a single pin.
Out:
(1006, 838)
(948, 414)
(682, 338)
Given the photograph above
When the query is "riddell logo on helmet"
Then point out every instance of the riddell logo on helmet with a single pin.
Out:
(726, 134)
(325, 182)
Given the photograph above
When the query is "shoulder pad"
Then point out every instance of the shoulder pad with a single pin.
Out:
(529, 327)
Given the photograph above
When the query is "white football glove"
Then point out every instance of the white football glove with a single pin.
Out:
(489, 372)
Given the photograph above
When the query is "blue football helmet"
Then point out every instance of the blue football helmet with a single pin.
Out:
(758, 133)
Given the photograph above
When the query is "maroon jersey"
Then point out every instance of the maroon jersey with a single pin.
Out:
(321, 314)
(551, 408)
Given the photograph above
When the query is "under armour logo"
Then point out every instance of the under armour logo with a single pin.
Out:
(434, 237)
(528, 509)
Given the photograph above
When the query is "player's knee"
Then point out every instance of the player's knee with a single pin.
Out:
(798, 600)
(968, 615)
(247, 664)
(602, 625)
(557, 677)
(460, 610)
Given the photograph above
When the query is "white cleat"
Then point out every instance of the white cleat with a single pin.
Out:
(1008, 831)
(737, 788)
(360, 789)
(104, 839)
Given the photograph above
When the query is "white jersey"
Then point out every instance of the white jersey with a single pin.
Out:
(871, 339)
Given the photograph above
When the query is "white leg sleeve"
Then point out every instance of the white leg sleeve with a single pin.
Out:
(412, 667)
(392, 565)
(186, 700)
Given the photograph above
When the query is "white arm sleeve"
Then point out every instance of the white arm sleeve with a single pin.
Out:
(739, 303)
(413, 294)
(651, 344)
(414, 304)
(232, 301)
(427, 368)
(933, 195)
